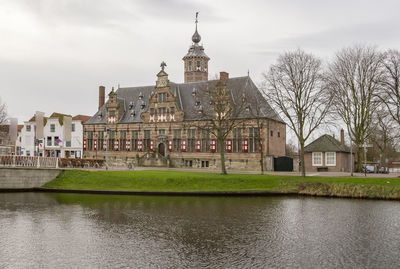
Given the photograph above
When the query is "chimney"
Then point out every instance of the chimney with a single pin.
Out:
(223, 76)
(102, 93)
(342, 136)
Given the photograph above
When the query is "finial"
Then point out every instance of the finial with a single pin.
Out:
(163, 65)
(196, 37)
(112, 89)
(248, 72)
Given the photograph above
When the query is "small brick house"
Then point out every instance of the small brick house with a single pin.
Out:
(326, 154)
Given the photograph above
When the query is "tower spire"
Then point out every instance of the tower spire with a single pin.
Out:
(196, 37)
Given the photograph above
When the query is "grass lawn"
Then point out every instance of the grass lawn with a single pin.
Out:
(182, 181)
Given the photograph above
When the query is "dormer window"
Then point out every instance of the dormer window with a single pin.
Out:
(197, 103)
(100, 116)
(143, 105)
(133, 113)
(130, 105)
(140, 96)
(194, 92)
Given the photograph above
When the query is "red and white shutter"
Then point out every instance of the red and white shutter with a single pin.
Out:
(84, 144)
(170, 145)
(245, 145)
(104, 144)
(198, 145)
(213, 145)
(151, 145)
(228, 145)
(128, 145)
(95, 144)
(140, 145)
(116, 144)
(183, 145)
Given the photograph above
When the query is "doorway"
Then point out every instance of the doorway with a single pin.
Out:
(161, 149)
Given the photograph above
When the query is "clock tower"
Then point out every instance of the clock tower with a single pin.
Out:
(196, 61)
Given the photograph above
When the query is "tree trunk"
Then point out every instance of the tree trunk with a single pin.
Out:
(359, 159)
(303, 166)
(261, 156)
(222, 153)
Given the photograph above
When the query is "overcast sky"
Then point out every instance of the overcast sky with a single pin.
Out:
(55, 53)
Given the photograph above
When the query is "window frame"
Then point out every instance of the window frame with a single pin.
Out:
(334, 158)
(312, 159)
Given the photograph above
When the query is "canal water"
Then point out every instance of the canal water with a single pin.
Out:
(43, 230)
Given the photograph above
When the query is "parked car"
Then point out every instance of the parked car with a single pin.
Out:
(383, 170)
(369, 169)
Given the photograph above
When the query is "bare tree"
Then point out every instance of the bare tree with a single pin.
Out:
(295, 87)
(354, 79)
(384, 136)
(390, 94)
(3, 112)
(219, 111)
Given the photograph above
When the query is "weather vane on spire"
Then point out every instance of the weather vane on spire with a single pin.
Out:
(163, 65)
(197, 15)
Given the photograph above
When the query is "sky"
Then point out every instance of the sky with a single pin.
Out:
(54, 54)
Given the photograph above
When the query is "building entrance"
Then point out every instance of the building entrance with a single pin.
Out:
(161, 149)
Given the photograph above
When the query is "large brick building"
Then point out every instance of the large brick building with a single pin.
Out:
(155, 125)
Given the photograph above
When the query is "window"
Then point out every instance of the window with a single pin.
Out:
(177, 139)
(135, 138)
(151, 111)
(28, 153)
(317, 158)
(1, 141)
(73, 127)
(272, 133)
(100, 140)
(190, 136)
(122, 140)
(205, 141)
(253, 139)
(162, 110)
(330, 158)
(49, 141)
(68, 144)
(146, 141)
(56, 141)
(111, 141)
(279, 134)
(52, 128)
(237, 139)
(161, 131)
(190, 66)
(172, 110)
(162, 97)
(111, 113)
(28, 128)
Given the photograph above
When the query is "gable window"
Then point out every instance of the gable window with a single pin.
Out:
(317, 158)
(52, 128)
(330, 158)
(162, 97)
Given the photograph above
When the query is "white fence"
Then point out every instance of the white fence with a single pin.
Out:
(28, 161)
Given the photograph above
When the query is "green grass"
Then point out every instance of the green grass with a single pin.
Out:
(182, 181)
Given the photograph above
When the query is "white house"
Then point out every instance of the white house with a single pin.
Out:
(53, 144)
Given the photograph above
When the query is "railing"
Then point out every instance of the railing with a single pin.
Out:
(49, 162)
(28, 161)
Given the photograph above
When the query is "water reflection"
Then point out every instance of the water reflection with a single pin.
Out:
(75, 230)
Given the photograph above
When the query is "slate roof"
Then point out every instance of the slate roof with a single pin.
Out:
(185, 99)
(196, 50)
(326, 143)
